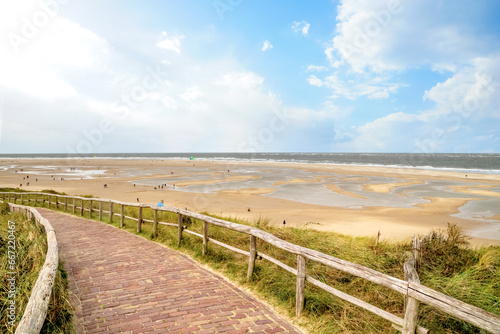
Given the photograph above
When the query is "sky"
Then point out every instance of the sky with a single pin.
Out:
(249, 76)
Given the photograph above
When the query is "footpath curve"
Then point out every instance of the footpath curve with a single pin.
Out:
(122, 283)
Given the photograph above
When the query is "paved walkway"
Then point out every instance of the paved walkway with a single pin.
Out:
(126, 284)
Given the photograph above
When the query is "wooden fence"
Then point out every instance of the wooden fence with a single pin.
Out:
(411, 288)
(36, 309)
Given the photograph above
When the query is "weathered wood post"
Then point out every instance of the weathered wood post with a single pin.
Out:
(411, 312)
(100, 210)
(155, 221)
(48, 200)
(82, 208)
(251, 257)
(34, 201)
(22, 199)
(74, 205)
(416, 250)
(139, 220)
(90, 209)
(43, 201)
(15, 198)
(179, 230)
(65, 204)
(205, 238)
(57, 202)
(122, 218)
(301, 280)
(111, 211)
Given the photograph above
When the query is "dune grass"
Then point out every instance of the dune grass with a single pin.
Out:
(448, 265)
(31, 248)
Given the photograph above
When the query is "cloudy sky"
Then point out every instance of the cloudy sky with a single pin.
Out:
(237, 75)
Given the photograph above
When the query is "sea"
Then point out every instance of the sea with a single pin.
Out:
(486, 163)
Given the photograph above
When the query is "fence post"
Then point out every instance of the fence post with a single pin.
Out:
(15, 198)
(416, 250)
(301, 280)
(179, 231)
(90, 210)
(110, 212)
(22, 199)
(100, 210)
(65, 204)
(57, 202)
(74, 205)
(205, 238)
(252, 256)
(139, 220)
(411, 312)
(155, 221)
(122, 218)
(81, 209)
(34, 200)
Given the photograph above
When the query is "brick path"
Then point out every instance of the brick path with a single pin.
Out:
(122, 283)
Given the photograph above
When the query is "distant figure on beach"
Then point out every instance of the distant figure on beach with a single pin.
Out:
(137, 199)
(105, 185)
(284, 223)
(134, 185)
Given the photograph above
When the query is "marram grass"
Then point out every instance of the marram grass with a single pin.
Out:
(31, 248)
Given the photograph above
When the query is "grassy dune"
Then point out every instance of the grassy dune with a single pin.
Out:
(448, 265)
(31, 247)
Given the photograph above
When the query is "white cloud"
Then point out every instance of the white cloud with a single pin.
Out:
(471, 91)
(301, 26)
(390, 35)
(44, 63)
(170, 42)
(316, 68)
(169, 102)
(192, 94)
(371, 87)
(267, 45)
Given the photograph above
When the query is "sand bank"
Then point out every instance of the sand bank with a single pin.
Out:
(394, 223)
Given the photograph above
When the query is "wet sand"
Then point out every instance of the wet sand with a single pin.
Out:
(272, 193)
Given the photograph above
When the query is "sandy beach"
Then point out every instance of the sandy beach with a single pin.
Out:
(353, 200)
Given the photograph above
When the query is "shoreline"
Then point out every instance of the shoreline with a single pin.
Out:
(250, 203)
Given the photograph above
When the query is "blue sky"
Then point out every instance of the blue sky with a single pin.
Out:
(238, 75)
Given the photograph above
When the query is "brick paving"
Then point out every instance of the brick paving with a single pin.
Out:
(122, 283)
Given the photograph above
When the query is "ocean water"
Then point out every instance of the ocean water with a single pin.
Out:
(459, 162)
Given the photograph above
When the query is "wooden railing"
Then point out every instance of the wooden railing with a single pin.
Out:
(411, 288)
(36, 309)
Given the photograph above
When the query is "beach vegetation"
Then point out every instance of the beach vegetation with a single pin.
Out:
(30, 249)
(449, 264)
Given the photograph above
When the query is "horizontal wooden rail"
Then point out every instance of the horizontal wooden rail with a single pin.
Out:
(451, 306)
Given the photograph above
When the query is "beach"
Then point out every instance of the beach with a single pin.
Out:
(348, 199)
